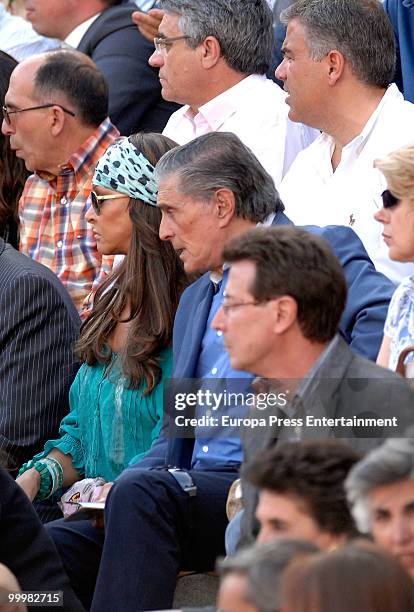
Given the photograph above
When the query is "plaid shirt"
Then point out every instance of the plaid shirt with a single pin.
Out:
(53, 228)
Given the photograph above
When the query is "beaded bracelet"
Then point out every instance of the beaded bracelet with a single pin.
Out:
(51, 475)
(56, 472)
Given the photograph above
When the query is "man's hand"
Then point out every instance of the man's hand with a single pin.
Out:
(29, 481)
(148, 23)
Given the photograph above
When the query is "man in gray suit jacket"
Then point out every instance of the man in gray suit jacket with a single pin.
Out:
(283, 302)
(38, 327)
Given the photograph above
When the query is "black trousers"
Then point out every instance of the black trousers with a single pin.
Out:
(153, 529)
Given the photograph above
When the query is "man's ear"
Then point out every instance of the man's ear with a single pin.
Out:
(224, 206)
(57, 120)
(284, 312)
(210, 52)
(335, 64)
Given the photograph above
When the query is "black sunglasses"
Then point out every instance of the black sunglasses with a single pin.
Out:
(388, 199)
(96, 200)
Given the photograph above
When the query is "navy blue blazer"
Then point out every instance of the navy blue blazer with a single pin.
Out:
(362, 323)
(121, 53)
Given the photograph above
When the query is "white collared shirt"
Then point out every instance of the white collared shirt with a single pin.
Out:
(314, 194)
(18, 38)
(73, 39)
(255, 110)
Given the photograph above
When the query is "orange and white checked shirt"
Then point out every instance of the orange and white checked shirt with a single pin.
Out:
(53, 228)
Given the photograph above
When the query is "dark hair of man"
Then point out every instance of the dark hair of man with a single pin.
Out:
(312, 472)
(13, 172)
(291, 261)
(357, 577)
(243, 29)
(74, 76)
(220, 160)
(150, 279)
(359, 29)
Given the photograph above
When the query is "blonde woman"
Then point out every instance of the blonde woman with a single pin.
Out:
(397, 217)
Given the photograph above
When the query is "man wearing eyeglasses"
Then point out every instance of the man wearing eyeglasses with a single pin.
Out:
(213, 58)
(56, 115)
(285, 296)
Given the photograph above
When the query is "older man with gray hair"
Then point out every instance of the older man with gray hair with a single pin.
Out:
(213, 57)
(380, 489)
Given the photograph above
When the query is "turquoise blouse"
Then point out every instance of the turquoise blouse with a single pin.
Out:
(109, 426)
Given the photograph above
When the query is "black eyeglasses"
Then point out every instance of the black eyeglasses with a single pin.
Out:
(97, 199)
(7, 113)
(229, 307)
(388, 199)
(162, 44)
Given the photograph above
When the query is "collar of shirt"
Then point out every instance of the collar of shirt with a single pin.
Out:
(217, 275)
(356, 145)
(80, 163)
(73, 38)
(219, 109)
(268, 385)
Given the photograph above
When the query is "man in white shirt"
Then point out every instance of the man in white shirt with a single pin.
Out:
(339, 61)
(212, 57)
(103, 30)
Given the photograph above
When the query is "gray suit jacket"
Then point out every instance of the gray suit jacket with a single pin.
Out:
(38, 327)
(345, 386)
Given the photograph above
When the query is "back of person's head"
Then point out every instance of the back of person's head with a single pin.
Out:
(291, 261)
(73, 76)
(243, 29)
(313, 472)
(390, 463)
(262, 567)
(398, 169)
(220, 160)
(359, 29)
(12, 170)
(358, 577)
(150, 281)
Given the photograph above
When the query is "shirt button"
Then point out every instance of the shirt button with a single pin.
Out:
(79, 236)
(208, 413)
(59, 244)
(205, 449)
(63, 201)
(214, 371)
(219, 333)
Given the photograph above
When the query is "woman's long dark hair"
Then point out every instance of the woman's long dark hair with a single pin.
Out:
(13, 173)
(150, 279)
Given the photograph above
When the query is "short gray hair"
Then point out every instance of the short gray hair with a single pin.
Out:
(243, 29)
(220, 160)
(263, 566)
(359, 29)
(391, 462)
